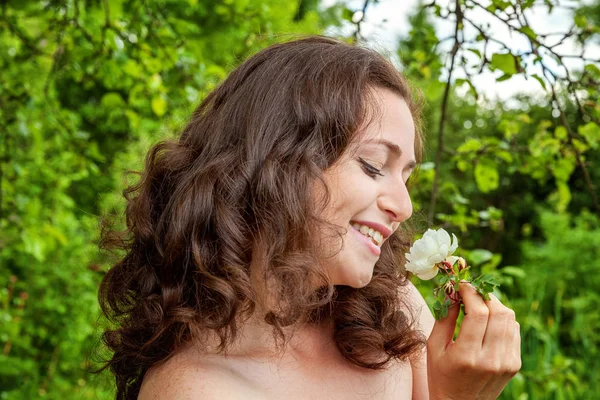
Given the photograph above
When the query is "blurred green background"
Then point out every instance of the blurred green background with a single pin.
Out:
(86, 86)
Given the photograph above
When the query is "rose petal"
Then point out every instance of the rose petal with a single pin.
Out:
(454, 245)
(426, 275)
(434, 259)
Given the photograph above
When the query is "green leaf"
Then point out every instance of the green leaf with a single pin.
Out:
(347, 14)
(112, 100)
(529, 32)
(514, 271)
(443, 279)
(132, 68)
(444, 312)
(592, 69)
(527, 4)
(563, 168)
(561, 197)
(540, 80)
(469, 146)
(580, 21)
(504, 62)
(476, 52)
(159, 105)
(462, 165)
(560, 132)
(500, 4)
(484, 284)
(480, 256)
(486, 175)
(591, 133)
(510, 128)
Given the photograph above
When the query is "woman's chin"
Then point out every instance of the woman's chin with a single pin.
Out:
(357, 280)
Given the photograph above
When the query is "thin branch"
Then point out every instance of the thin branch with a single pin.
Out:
(56, 56)
(357, 23)
(75, 22)
(586, 175)
(106, 13)
(442, 123)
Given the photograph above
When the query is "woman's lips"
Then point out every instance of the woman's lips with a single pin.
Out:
(368, 242)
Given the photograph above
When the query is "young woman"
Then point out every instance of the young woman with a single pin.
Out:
(265, 248)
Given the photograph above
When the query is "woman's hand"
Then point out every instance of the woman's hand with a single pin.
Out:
(484, 357)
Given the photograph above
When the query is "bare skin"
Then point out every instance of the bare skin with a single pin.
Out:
(311, 367)
(477, 365)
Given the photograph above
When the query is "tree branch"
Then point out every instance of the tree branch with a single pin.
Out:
(357, 34)
(570, 135)
(442, 123)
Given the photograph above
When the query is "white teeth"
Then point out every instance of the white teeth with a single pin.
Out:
(378, 237)
(371, 233)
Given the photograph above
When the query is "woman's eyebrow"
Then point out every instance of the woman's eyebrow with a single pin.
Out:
(392, 148)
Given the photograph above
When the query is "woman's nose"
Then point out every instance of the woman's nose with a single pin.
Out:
(395, 201)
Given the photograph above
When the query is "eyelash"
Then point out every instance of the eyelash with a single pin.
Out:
(369, 169)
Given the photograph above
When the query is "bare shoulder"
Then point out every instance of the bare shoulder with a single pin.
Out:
(419, 307)
(186, 377)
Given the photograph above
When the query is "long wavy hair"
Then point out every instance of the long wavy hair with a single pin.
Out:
(235, 191)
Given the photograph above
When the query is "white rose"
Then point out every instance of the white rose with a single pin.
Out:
(432, 248)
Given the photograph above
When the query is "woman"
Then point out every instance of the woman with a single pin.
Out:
(264, 251)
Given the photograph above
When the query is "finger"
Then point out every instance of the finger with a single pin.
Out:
(500, 328)
(474, 324)
(516, 346)
(443, 330)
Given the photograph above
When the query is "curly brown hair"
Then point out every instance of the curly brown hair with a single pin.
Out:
(234, 190)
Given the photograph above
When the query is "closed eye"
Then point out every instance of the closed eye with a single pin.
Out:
(369, 169)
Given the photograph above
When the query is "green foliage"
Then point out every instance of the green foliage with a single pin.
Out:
(87, 86)
(446, 293)
(519, 183)
(557, 305)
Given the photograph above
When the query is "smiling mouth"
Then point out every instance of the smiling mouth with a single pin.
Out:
(375, 236)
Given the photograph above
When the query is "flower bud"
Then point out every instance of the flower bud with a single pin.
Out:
(447, 267)
(462, 264)
(450, 291)
(449, 288)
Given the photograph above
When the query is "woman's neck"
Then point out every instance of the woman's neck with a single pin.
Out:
(256, 339)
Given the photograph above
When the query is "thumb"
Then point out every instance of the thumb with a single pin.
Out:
(443, 330)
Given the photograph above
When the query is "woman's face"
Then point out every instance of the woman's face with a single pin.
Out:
(369, 198)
